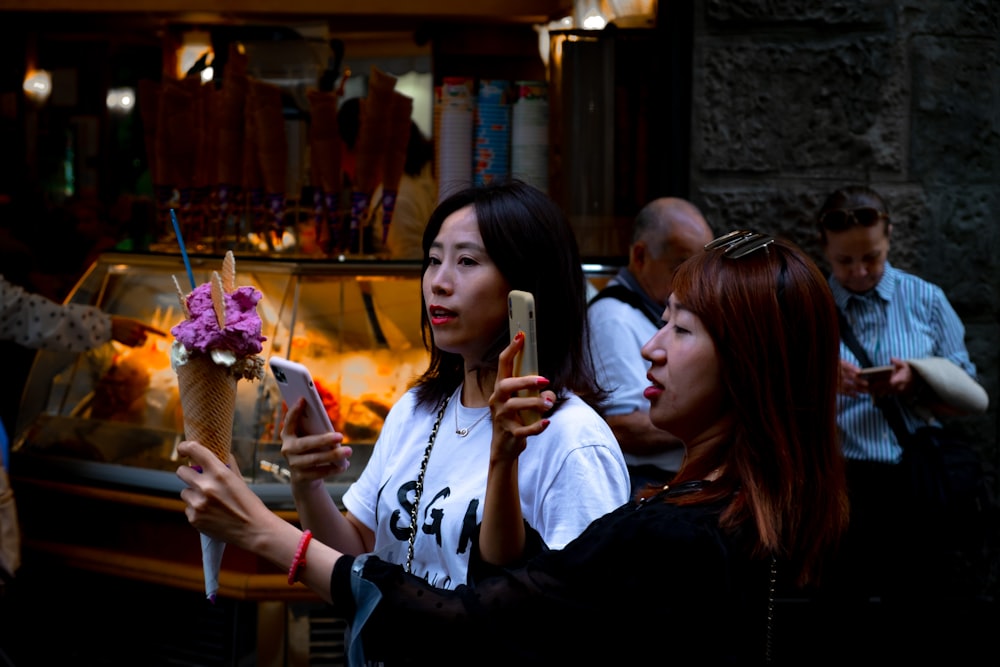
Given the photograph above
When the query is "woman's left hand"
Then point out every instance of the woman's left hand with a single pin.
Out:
(131, 332)
(219, 502)
(900, 382)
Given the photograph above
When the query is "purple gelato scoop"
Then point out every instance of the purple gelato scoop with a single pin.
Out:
(242, 334)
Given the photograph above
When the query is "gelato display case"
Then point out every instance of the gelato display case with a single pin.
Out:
(112, 416)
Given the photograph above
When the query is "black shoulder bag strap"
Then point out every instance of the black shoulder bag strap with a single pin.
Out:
(888, 406)
(623, 293)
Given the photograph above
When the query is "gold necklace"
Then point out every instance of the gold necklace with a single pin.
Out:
(462, 432)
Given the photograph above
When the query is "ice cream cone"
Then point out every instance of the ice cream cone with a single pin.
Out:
(216, 345)
(400, 111)
(272, 152)
(208, 399)
(325, 146)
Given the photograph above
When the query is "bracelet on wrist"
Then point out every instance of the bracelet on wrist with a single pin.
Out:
(299, 561)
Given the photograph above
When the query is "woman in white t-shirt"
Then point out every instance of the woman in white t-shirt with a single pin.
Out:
(479, 244)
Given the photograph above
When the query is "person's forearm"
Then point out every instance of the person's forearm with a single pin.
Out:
(280, 544)
(637, 435)
(320, 514)
(501, 537)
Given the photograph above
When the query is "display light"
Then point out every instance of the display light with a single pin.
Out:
(120, 100)
(633, 13)
(589, 15)
(38, 85)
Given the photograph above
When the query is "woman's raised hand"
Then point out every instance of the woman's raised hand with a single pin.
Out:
(509, 429)
(311, 458)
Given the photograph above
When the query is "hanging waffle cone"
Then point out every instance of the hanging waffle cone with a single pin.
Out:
(175, 143)
(324, 139)
(203, 173)
(373, 130)
(231, 117)
(394, 160)
(252, 177)
(228, 120)
(400, 110)
(325, 164)
(380, 86)
(272, 144)
(369, 147)
(237, 64)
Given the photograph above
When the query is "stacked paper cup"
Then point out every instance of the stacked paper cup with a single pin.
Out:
(455, 143)
(529, 143)
(491, 157)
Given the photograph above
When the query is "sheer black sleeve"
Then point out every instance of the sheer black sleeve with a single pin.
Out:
(479, 569)
(648, 583)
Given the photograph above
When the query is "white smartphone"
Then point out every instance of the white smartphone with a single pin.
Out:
(521, 317)
(876, 374)
(295, 381)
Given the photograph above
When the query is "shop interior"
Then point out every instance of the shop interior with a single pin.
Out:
(94, 482)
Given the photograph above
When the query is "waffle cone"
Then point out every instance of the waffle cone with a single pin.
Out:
(208, 399)
(380, 85)
(176, 133)
(396, 143)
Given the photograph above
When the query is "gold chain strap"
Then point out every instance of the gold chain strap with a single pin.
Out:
(420, 484)
(770, 611)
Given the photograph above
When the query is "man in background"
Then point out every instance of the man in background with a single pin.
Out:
(624, 316)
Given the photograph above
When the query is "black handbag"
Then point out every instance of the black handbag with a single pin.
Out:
(947, 481)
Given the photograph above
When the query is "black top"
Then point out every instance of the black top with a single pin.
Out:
(647, 582)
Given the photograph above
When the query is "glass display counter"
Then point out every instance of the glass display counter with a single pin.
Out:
(112, 415)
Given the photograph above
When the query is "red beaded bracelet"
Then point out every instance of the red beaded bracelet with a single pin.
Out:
(299, 561)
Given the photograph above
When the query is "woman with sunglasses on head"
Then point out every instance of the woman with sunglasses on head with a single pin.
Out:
(744, 372)
(900, 321)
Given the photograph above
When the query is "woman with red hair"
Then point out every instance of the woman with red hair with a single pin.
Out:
(745, 373)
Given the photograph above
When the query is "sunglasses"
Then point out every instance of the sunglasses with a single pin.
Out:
(740, 243)
(839, 219)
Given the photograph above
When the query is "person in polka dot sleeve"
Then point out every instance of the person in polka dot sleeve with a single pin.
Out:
(36, 322)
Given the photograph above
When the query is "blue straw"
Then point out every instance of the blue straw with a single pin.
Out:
(184, 252)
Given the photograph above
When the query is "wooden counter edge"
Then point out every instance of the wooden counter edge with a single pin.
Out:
(134, 498)
(235, 585)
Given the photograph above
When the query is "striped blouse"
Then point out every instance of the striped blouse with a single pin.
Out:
(904, 317)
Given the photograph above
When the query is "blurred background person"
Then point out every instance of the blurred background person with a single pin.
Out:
(625, 314)
(895, 316)
(35, 322)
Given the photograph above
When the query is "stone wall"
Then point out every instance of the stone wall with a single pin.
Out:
(793, 99)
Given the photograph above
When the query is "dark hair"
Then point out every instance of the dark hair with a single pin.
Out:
(532, 244)
(843, 207)
(773, 321)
